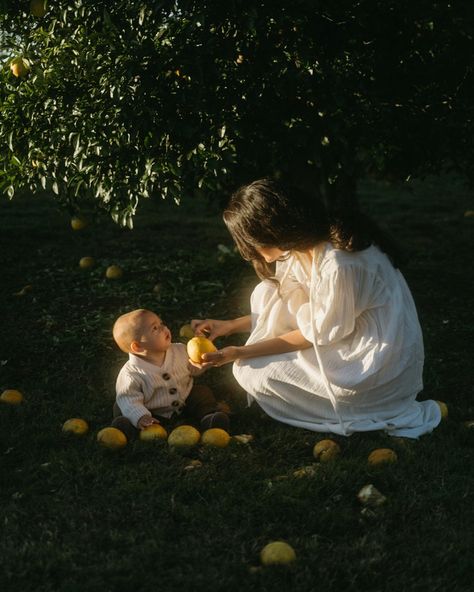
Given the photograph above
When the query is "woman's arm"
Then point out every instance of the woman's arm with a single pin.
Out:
(213, 328)
(289, 342)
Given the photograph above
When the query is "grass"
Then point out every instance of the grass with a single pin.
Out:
(74, 518)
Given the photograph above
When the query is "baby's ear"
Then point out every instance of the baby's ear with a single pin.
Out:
(136, 348)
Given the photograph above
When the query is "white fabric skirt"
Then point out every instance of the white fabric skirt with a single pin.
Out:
(291, 388)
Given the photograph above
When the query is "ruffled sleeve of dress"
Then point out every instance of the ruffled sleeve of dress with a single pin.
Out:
(338, 296)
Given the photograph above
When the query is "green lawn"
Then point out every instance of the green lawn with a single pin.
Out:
(75, 518)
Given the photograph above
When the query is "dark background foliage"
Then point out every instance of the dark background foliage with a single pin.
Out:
(131, 99)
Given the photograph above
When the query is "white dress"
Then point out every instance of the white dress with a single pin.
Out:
(365, 367)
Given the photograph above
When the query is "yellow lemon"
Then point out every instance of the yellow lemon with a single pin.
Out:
(381, 456)
(114, 272)
(86, 262)
(19, 67)
(215, 437)
(155, 431)
(38, 8)
(78, 223)
(111, 438)
(198, 346)
(184, 435)
(326, 450)
(444, 409)
(277, 553)
(11, 396)
(186, 332)
(76, 426)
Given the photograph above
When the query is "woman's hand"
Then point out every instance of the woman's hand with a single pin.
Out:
(218, 358)
(211, 328)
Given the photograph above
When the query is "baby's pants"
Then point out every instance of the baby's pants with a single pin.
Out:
(200, 402)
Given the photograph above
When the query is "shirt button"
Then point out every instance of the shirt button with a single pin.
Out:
(166, 376)
(175, 403)
(173, 391)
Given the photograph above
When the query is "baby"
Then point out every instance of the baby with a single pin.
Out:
(157, 380)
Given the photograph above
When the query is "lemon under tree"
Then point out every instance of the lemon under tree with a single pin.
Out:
(108, 103)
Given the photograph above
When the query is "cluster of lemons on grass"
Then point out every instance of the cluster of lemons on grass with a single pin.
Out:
(183, 436)
(186, 436)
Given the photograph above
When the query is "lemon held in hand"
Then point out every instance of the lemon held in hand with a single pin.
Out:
(155, 431)
(75, 426)
(197, 346)
(111, 438)
(11, 397)
(277, 553)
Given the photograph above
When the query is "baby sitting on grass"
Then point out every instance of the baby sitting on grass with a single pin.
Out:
(157, 380)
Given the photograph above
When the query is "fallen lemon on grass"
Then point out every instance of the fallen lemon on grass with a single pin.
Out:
(197, 346)
(381, 456)
(215, 437)
(76, 426)
(78, 223)
(114, 272)
(186, 332)
(111, 438)
(183, 436)
(277, 553)
(154, 431)
(11, 397)
(86, 262)
(38, 8)
(326, 450)
(443, 408)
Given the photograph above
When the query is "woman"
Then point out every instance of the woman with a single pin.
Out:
(335, 343)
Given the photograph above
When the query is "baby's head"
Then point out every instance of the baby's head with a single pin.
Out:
(140, 332)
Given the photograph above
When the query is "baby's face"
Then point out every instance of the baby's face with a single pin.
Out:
(155, 335)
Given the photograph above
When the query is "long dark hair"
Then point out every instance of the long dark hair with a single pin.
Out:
(266, 213)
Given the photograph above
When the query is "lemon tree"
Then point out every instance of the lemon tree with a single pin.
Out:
(126, 100)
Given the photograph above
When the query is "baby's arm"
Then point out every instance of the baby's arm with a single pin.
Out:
(130, 399)
(145, 421)
(195, 369)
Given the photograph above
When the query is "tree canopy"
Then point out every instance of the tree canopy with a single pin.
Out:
(109, 102)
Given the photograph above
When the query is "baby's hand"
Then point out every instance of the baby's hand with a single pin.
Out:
(145, 421)
(195, 369)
